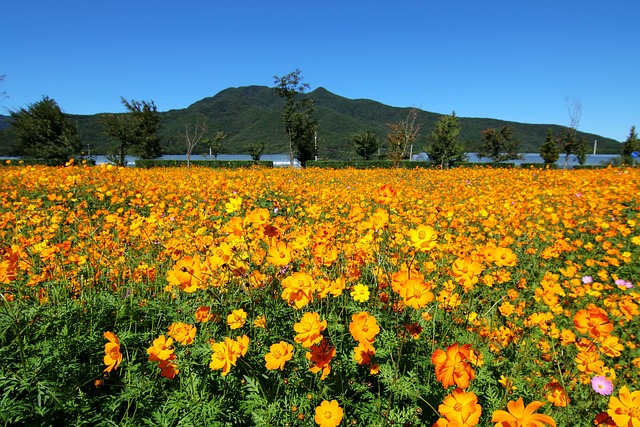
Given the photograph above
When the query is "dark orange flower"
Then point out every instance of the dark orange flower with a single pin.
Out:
(452, 367)
(320, 356)
(593, 321)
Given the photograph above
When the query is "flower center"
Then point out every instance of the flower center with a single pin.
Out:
(458, 407)
(327, 414)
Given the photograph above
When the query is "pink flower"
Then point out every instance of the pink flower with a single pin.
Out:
(624, 284)
(601, 385)
(587, 280)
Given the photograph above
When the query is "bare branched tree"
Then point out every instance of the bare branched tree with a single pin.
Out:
(193, 134)
(401, 135)
(3, 94)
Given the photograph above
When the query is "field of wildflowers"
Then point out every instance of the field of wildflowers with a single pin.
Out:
(282, 297)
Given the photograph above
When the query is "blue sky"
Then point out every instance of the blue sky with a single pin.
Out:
(515, 60)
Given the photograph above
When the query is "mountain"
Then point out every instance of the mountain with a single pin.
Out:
(251, 114)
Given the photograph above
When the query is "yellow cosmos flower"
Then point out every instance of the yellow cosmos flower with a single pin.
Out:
(360, 293)
(278, 355)
(279, 254)
(112, 355)
(329, 414)
(424, 238)
(162, 349)
(309, 329)
(237, 319)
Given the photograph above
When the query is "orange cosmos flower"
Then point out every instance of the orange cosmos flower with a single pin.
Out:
(460, 409)
(364, 328)
(424, 238)
(385, 194)
(186, 274)
(9, 263)
(237, 319)
(162, 349)
(320, 356)
(309, 329)
(258, 217)
(225, 354)
(593, 321)
(503, 257)
(278, 355)
(279, 254)
(416, 293)
(243, 345)
(298, 289)
(556, 394)
(329, 414)
(182, 332)
(452, 367)
(625, 409)
(519, 415)
(112, 355)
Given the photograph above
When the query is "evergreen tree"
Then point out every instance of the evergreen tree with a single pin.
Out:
(365, 144)
(45, 132)
(442, 147)
(549, 150)
(630, 146)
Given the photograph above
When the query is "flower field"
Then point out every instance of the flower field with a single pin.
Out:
(281, 297)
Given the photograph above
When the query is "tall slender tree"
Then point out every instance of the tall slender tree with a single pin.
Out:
(297, 116)
(549, 149)
(630, 146)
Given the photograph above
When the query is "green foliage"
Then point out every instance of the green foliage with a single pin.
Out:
(135, 132)
(252, 113)
(629, 146)
(549, 151)
(573, 144)
(499, 145)
(365, 144)
(45, 132)
(256, 150)
(366, 164)
(443, 148)
(297, 116)
(222, 164)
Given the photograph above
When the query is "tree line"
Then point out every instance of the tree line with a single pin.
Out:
(45, 132)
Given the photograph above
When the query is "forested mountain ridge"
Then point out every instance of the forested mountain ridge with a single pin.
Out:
(251, 114)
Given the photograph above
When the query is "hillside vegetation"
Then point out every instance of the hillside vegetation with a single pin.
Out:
(251, 114)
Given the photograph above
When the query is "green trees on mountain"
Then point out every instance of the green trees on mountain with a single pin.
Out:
(297, 116)
(45, 132)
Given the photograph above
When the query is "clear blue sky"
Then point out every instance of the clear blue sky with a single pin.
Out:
(513, 60)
